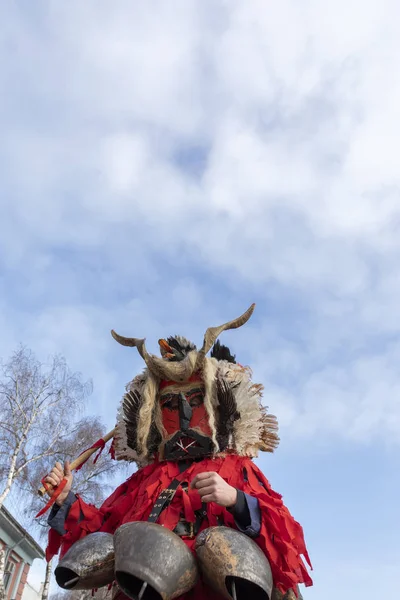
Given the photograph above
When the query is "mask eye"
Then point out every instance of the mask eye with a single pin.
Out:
(171, 402)
(195, 398)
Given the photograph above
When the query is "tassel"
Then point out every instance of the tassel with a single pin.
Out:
(99, 444)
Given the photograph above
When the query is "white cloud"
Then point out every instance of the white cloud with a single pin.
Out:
(295, 109)
(288, 117)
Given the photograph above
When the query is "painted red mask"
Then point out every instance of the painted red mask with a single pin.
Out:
(186, 420)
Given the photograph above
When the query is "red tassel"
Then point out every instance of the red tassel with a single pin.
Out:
(187, 506)
(56, 493)
(99, 444)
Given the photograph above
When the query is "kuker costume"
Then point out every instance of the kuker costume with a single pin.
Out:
(153, 537)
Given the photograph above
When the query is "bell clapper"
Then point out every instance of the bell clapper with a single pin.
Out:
(234, 590)
(71, 582)
(142, 590)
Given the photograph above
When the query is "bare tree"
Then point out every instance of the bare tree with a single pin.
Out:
(38, 406)
(37, 409)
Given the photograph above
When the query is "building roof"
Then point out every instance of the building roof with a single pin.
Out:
(23, 539)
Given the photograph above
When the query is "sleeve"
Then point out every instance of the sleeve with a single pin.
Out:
(59, 514)
(247, 514)
(69, 523)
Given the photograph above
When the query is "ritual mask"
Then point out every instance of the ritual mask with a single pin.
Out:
(185, 420)
(187, 405)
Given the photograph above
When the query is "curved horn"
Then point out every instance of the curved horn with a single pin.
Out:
(212, 333)
(132, 342)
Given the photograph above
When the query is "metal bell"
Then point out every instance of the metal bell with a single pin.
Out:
(88, 564)
(152, 562)
(233, 565)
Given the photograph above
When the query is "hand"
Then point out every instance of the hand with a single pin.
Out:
(56, 476)
(212, 488)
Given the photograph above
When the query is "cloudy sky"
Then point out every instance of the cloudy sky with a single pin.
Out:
(165, 164)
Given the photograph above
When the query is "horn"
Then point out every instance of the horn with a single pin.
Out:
(132, 342)
(233, 565)
(88, 564)
(182, 370)
(212, 333)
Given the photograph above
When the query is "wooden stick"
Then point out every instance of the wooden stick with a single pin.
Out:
(78, 461)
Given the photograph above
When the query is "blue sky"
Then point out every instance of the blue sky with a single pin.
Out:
(162, 166)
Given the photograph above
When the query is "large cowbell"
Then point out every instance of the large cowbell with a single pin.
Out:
(233, 565)
(152, 562)
(88, 564)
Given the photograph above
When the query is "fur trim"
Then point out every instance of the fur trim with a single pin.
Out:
(256, 429)
(149, 396)
(210, 368)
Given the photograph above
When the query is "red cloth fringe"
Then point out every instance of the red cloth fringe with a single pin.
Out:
(99, 444)
(281, 537)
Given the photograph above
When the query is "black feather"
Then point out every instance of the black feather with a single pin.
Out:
(221, 352)
(227, 413)
(154, 439)
(131, 405)
(180, 347)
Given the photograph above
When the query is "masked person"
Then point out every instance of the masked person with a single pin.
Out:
(193, 424)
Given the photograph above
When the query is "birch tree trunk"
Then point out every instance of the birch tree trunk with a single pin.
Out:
(46, 584)
(2, 569)
(11, 474)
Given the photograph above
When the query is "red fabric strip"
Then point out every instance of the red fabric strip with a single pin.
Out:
(56, 493)
(99, 444)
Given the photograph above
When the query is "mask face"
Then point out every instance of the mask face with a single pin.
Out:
(186, 422)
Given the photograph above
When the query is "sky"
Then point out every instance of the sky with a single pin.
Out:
(165, 164)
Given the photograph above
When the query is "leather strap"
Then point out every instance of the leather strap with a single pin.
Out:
(163, 500)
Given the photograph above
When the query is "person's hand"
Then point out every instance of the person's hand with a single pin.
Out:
(212, 488)
(56, 476)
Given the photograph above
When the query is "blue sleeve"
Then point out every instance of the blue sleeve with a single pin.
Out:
(59, 514)
(247, 514)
